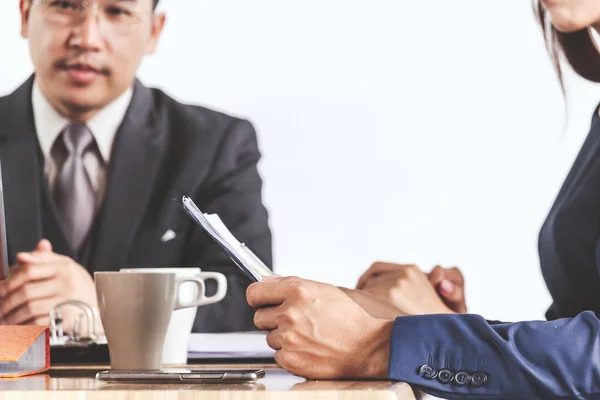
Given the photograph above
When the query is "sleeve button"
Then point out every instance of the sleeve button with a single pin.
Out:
(462, 378)
(445, 376)
(479, 379)
(428, 372)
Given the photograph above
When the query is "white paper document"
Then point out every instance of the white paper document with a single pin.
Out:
(248, 262)
(229, 345)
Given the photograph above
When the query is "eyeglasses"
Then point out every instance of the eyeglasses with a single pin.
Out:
(120, 15)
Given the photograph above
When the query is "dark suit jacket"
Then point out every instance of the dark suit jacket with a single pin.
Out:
(465, 356)
(162, 150)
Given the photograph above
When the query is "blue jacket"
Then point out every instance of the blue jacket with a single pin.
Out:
(465, 356)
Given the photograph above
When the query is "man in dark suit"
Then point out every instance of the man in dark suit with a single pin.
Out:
(92, 161)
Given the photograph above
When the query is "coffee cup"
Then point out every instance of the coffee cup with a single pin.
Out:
(180, 326)
(135, 309)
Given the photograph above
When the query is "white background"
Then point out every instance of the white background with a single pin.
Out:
(426, 132)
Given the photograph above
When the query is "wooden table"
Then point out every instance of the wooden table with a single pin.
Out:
(78, 383)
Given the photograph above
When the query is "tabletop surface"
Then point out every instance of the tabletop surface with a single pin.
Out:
(79, 383)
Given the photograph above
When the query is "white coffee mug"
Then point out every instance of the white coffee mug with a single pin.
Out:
(135, 309)
(175, 349)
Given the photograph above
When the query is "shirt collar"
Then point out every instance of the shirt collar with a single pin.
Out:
(49, 124)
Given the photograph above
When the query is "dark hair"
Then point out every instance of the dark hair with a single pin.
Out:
(155, 3)
(577, 47)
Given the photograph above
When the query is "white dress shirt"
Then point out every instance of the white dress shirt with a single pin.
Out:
(49, 124)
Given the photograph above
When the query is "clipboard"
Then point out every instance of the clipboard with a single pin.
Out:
(241, 254)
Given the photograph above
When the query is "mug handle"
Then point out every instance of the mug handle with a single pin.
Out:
(221, 286)
(200, 297)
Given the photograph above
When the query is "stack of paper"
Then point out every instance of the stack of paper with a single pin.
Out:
(229, 345)
(238, 252)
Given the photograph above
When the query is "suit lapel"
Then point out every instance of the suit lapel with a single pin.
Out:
(20, 171)
(135, 160)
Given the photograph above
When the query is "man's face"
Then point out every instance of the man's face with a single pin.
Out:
(86, 53)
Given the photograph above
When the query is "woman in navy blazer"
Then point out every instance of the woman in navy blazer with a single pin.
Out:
(319, 332)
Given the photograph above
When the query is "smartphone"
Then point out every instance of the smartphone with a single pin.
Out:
(183, 376)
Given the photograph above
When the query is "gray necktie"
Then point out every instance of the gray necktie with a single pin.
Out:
(73, 191)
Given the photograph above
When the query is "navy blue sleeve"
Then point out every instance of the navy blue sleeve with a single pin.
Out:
(464, 356)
